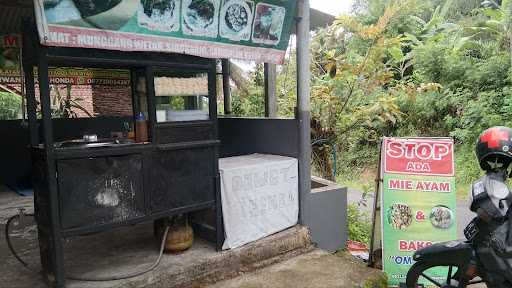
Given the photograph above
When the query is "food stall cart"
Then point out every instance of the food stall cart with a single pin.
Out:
(95, 179)
(91, 185)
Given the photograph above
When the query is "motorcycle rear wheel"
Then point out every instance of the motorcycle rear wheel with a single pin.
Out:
(420, 271)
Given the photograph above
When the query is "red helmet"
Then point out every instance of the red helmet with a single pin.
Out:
(494, 148)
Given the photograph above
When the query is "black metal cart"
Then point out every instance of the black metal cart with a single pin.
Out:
(175, 172)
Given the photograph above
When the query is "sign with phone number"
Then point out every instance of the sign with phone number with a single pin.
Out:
(418, 205)
(257, 30)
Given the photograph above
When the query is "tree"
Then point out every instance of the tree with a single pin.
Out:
(349, 93)
(10, 106)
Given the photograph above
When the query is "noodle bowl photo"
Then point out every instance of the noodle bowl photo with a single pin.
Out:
(441, 217)
(399, 216)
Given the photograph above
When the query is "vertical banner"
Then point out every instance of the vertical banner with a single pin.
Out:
(418, 205)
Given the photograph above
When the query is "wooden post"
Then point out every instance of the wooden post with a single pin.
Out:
(375, 241)
(226, 87)
(150, 94)
(270, 71)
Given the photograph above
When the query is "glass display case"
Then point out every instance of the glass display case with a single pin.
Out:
(181, 97)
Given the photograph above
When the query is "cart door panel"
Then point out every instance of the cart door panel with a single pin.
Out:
(182, 178)
(100, 191)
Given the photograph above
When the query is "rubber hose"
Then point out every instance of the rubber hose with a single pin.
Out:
(88, 279)
(8, 240)
(129, 275)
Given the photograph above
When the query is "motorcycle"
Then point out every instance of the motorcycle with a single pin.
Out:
(486, 254)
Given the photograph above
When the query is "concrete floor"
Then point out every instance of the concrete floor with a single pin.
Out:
(134, 248)
(10, 202)
(13, 274)
(316, 269)
(258, 264)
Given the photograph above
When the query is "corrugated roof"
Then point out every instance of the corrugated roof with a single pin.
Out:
(11, 14)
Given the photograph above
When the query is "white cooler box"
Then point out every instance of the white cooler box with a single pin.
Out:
(259, 196)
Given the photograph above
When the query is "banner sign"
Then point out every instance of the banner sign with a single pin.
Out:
(257, 30)
(10, 51)
(10, 69)
(418, 205)
(100, 92)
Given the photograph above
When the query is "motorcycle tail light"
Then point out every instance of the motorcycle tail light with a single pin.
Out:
(482, 214)
(472, 271)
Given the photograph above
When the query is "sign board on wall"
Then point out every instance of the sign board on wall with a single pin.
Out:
(257, 30)
(10, 50)
(100, 92)
(10, 73)
(418, 205)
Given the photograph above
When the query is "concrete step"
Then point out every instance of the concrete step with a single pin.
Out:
(315, 269)
(200, 268)
(134, 248)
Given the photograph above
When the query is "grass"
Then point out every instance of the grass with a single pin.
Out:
(462, 190)
(467, 170)
(363, 180)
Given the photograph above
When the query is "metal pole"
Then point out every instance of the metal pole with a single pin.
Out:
(31, 104)
(56, 251)
(303, 108)
(270, 71)
(28, 79)
(226, 89)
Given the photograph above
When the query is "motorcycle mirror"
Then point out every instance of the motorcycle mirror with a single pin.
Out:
(501, 205)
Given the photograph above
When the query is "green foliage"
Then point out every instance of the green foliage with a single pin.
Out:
(410, 68)
(380, 281)
(401, 68)
(65, 106)
(467, 169)
(252, 104)
(10, 106)
(250, 101)
(359, 224)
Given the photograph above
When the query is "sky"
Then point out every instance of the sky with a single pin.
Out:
(334, 7)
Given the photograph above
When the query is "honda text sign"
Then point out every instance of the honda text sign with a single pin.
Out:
(419, 156)
(418, 203)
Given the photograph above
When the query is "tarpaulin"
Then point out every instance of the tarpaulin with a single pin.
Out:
(243, 29)
(259, 196)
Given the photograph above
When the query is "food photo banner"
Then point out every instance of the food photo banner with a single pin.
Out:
(418, 205)
(257, 30)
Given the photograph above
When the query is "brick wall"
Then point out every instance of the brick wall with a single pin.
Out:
(100, 92)
(101, 100)
(98, 100)
(112, 100)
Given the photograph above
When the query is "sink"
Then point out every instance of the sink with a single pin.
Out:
(96, 144)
